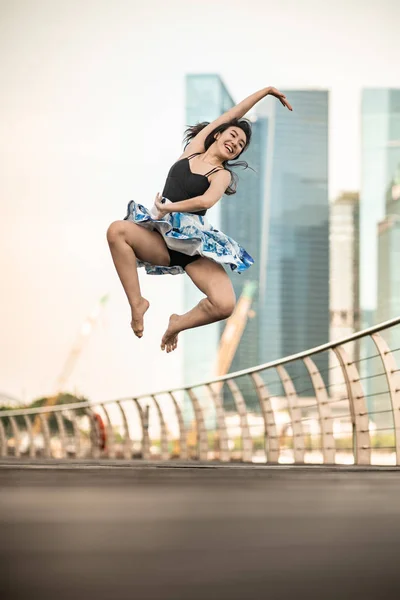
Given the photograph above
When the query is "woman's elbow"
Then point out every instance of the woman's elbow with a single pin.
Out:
(209, 201)
(205, 203)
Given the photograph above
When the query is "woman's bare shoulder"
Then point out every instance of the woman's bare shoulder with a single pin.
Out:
(186, 153)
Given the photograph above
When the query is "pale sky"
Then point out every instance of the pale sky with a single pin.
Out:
(92, 115)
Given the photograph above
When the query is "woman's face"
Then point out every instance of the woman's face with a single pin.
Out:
(231, 142)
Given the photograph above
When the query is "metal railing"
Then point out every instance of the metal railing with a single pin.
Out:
(338, 403)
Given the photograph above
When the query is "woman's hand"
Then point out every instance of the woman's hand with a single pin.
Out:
(281, 97)
(160, 207)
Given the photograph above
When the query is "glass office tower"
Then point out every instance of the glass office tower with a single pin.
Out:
(389, 261)
(280, 214)
(294, 267)
(380, 155)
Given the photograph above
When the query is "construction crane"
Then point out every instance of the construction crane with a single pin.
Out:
(83, 335)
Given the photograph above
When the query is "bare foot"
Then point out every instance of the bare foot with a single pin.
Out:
(170, 338)
(138, 311)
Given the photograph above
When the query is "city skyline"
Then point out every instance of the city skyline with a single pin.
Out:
(93, 119)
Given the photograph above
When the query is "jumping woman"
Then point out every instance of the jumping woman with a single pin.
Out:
(176, 237)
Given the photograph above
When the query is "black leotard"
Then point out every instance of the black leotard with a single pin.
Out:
(182, 184)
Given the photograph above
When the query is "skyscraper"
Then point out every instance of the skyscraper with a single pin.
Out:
(344, 276)
(380, 157)
(389, 260)
(388, 301)
(344, 265)
(280, 214)
(294, 257)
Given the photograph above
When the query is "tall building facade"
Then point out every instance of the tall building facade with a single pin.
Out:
(294, 261)
(388, 303)
(389, 260)
(280, 214)
(344, 266)
(380, 156)
(344, 276)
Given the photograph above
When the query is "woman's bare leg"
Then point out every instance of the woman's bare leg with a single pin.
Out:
(127, 242)
(211, 279)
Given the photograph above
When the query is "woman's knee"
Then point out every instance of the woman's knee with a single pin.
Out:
(225, 305)
(116, 231)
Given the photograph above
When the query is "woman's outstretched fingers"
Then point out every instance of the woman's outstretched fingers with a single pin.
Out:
(281, 97)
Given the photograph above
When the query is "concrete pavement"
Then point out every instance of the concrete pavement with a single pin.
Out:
(128, 529)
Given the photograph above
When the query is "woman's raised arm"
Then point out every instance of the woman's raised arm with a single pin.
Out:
(236, 112)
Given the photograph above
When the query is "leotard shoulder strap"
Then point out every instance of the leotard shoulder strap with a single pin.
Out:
(214, 170)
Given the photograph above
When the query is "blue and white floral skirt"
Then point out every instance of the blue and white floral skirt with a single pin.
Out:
(189, 234)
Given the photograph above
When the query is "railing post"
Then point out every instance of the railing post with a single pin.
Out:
(202, 442)
(271, 441)
(393, 381)
(77, 434)
(163, 430)
(144, 422)
(3, 440)
(15, 430)
(221, 423)
(61, 431)
(127, 439)
(183, 449)
(46, 435)
(295, 414)
(358, 407)
(324, 412)
(247, 441)
(29, 429)
(94, 434)
(111, 453)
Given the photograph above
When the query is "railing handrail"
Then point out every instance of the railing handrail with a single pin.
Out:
(47, 409)
(263, 367)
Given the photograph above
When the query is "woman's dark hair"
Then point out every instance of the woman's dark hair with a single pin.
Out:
(244, 125)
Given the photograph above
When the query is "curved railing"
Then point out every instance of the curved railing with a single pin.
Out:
(337, 403)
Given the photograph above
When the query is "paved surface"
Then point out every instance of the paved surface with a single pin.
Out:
(189, 531)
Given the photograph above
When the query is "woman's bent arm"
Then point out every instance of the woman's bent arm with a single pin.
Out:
(218, 186)
(193, 205)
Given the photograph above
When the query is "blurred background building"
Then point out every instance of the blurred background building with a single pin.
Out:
(344, 275)
(294, 261)
(321, 271)
(380, 157)
(389, 257)
(281, 216)
(380, 150)
(344, 265)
